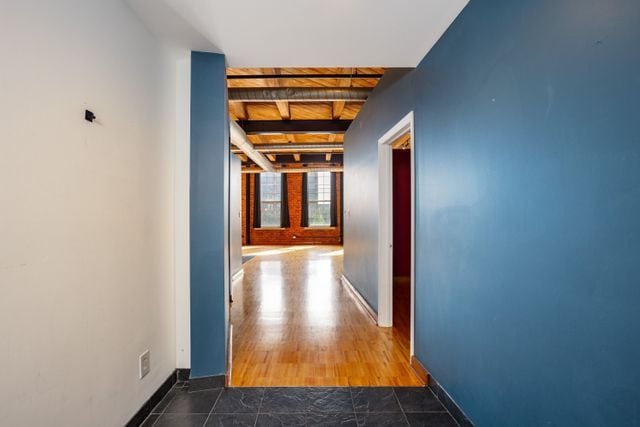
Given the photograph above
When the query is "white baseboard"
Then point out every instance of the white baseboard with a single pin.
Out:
(360, 299)
(239, 275)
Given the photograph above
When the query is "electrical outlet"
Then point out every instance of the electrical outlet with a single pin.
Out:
(145, 364)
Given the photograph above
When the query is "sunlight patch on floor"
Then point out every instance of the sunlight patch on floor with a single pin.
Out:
(339, 252)
(270, 250)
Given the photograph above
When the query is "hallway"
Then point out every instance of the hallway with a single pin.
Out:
(294, 324)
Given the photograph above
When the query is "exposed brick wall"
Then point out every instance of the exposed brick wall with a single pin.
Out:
(294, 235)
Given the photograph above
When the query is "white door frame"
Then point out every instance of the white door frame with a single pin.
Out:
(385, 224)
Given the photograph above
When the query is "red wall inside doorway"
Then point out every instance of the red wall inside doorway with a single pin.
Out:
(401, 213)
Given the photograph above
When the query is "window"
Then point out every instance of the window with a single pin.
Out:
(319, 197)
(270, 199)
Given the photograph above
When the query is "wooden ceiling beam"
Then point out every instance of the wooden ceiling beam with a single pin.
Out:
(283, 106)
(338, 106)
(327, 157)
(337, 109)
(238, 110)
(271, 157)
(307, 168)
(280, 76)
(306, 147)
(305, 160)
(292, 127)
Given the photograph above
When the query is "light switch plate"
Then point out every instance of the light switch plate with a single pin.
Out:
(145, 364)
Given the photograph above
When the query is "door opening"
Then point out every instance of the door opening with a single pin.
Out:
(295, 320)
(396, 258)
(401, 213)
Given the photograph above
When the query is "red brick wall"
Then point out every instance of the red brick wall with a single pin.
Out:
(294, 235)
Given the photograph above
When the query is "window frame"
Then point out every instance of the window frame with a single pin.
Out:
(275, 180)
(325, 192)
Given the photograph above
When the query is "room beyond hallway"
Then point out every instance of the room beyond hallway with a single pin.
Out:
(294, 324)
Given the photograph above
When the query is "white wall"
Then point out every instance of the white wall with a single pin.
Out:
(235, 214)
(182, 180)
(86, 212)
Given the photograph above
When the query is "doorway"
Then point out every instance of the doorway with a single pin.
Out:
(293, 321)
(396, 230)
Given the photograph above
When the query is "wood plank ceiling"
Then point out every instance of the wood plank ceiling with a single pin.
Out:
(305, 133)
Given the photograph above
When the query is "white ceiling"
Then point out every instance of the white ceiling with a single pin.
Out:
(304, 33)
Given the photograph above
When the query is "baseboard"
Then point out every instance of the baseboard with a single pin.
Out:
(419, 370)
(360, 299)
(206, 383)
(151, 403)
(183, 374)
(229, 357)
(449, 403)
(237, 276)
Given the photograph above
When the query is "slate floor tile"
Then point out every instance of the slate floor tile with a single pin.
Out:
(277, 420)
(385, 419)
(285, 400)
(199, 402)
(330, 399)
(418, 399)
(162, 405)
(315, 419)
(239, 400)
(224, 420)
(431, 419)
(374, 399)
(181, 420)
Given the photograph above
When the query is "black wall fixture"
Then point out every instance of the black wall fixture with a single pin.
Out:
(89, 116)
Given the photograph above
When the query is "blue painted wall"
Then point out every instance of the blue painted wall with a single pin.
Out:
(209, 214)
(528, 198)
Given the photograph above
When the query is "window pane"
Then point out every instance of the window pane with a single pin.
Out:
(270, 198)
(312, 185)
(319, 195)
(319, 214)
(270, 187)
(270, 214)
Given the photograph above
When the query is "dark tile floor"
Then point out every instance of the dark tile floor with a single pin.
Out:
(294, 406)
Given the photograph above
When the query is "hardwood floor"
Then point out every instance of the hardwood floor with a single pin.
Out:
(402, 308)
(295, 325)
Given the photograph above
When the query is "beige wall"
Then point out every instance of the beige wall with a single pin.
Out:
(86, 212)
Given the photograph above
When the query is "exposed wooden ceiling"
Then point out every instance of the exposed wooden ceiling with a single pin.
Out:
(322, 117)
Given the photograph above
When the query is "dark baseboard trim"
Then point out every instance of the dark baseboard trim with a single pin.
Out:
(179, 375)
(419, 370)
(151, 403)
(182, 374)
(206, 383)
(449, 403)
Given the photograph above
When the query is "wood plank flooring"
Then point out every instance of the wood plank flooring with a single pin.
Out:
(295, 325)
